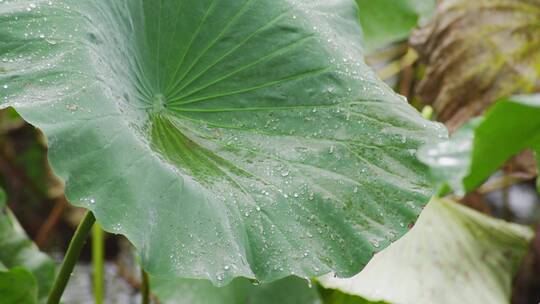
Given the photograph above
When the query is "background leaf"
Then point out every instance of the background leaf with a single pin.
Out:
(387, 21)
(17, 286)
(21, 262)
(223, 138)
(2, 198)
(479, 149)
(452, 255)
(477, 52)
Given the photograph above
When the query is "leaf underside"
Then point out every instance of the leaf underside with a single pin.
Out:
(454, 254)
(290, 290)
(223, 138)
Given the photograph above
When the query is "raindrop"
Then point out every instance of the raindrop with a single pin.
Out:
(375, 243)
(117, 227)
(403, 139)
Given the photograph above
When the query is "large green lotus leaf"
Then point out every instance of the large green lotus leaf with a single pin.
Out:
(290, 290)
(21, 262)
(452, 255)
(481, 147)
(223, 138)
(17, 286)
(387, 21)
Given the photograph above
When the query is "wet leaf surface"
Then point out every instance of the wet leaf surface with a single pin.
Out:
(223, 138)
(287, 291)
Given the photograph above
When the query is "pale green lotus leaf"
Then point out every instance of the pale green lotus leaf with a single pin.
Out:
(452, 255)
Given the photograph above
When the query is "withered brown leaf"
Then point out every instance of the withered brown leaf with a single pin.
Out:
(476, 52)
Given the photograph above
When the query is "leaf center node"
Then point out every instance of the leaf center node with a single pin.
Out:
(158, 104)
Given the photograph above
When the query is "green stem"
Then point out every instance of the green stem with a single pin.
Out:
(72, 255)
(145, 287)
(98, 251)
(427, 112)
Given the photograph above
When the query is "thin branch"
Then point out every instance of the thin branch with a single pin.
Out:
(72, 255)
